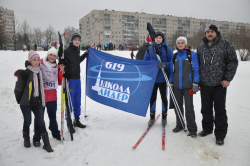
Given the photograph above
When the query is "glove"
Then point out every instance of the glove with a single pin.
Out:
(195, 89)
(161, 65)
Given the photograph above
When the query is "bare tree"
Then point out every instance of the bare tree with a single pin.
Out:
(69, 31)
(196, 39)
(50, 34)
(38, 36)
(25, 31)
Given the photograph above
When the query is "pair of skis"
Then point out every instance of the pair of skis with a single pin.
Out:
(147, 130)
(65, 98)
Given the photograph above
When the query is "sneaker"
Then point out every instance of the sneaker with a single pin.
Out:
(204, 133)
(219, 142)
(193, 135)
(36, 143)
(177, 129)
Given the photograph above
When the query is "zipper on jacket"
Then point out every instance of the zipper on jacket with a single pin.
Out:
(212, 59)
(204, 59)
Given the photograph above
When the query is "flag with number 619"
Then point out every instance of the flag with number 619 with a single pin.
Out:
(121, 83)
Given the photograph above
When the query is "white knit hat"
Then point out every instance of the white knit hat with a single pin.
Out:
(183, 39)
(52, 50)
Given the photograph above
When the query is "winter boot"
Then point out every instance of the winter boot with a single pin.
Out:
(177, 129)
(77, 123)
(151, 120)
(193, 135)
(71, 128)
(219, 142)
(46, 145)
(36, 143)
(164, 119)
(26, 136)
(204, 133)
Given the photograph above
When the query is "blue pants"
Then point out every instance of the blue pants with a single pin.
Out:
(53, 126)
(39, 115)
(75, 93)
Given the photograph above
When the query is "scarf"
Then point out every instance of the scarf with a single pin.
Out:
(48, 64)
(36, 70)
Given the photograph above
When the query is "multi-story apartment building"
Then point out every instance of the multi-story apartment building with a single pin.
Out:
(7, 17)
(118, 27)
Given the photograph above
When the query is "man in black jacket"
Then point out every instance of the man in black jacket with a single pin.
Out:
(141, 52)
(218, 65)
(72, 60)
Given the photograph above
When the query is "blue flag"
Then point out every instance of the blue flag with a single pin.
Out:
(120, 83)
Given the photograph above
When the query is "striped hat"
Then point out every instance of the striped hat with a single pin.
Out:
(32, 55)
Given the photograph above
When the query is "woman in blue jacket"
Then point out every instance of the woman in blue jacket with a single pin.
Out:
(183, 77)
(165, 52)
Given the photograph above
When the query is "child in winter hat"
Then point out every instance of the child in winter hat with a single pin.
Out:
(32, 55)
(182, 38)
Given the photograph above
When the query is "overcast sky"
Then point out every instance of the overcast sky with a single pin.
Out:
(63, 13)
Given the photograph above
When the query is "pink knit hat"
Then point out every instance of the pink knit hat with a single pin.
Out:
(32, 55)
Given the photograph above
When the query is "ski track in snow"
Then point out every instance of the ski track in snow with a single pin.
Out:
(111, 133)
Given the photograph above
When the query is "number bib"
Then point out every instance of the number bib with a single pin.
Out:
(50, 77)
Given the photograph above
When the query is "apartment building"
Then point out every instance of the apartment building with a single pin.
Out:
(7, 16)
(120, 27)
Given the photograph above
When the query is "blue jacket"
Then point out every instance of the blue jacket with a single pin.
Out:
(181, 74)
(166, 58)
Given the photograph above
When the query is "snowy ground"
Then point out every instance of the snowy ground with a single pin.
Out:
(111, 133)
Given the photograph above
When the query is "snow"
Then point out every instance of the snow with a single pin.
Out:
(111, 133)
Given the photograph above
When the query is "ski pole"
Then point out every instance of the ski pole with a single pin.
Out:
(174, 99)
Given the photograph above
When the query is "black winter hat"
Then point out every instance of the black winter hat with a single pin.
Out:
(76, 35)
(159, 34)
(213, 27)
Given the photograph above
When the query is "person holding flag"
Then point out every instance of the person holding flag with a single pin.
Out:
(165, 52)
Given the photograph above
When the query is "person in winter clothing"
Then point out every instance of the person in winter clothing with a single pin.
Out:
(72, 73)
(92, 46)
(159, 48)
(132, 54)
(35, 47)
(24, 47)
(218, 65)
(183, 77)
(141, 52)
(49, 70)
(29, 94)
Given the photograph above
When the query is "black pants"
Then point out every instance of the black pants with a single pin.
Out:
(189, 109)
(214, 96)
(163, 91)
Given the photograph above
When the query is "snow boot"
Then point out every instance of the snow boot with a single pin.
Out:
(193, 135)
(177, 129)
(77, 123)
(204, 133)
(46, 142)
(164, 119)
(58, 137)
(71, 129)
(151, 120)
(26, 136)
(36, 143)
(219, 142)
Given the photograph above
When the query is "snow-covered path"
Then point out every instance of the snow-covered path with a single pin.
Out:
(111, 133)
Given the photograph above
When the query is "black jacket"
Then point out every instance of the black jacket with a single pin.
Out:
(72, 62)
(24, 88)
(218, 62)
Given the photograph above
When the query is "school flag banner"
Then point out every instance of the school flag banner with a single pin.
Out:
(119, 82)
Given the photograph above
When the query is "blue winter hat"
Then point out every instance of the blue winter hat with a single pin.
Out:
(76, 35)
